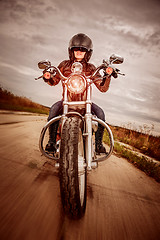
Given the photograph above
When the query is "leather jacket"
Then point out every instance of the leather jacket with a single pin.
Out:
(88, 68)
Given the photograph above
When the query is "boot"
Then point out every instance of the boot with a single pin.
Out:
(98, 140)
(51, 145)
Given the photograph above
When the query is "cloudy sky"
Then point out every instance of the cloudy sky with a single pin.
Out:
(34, 30)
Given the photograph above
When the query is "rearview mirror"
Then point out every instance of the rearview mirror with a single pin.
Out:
(43, 64)
(116, 59)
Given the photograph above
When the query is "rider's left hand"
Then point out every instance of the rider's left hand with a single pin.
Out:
(111, 72)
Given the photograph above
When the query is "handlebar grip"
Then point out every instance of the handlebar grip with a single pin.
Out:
(38, 78)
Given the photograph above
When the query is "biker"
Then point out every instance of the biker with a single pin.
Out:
(80, 49)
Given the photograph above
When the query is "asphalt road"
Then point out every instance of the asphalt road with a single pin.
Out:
(122, 202)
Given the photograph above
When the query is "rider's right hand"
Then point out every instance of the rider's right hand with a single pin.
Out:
(47, 77)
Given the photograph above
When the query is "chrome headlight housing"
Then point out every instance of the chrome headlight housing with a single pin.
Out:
(76, 84)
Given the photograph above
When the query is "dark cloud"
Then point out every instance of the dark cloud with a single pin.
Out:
(148, 39)
(50, 10)
(39, 39)
(155, 38)
(18, 10)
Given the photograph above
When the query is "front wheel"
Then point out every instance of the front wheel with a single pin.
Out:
(72, 169)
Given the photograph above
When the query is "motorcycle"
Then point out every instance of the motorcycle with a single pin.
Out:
(75, 154)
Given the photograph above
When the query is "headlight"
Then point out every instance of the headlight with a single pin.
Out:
(76, 84)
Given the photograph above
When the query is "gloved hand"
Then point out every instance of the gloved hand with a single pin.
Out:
(47, 77)
(114, 74)
(111, 71)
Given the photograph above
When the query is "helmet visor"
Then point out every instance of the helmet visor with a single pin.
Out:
(81, 49)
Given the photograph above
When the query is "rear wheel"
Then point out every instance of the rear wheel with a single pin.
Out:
(73, 168)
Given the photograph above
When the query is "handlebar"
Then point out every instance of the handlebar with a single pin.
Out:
(103, 66)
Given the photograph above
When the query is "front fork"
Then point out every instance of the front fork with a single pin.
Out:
(88, 128)
(88, 140)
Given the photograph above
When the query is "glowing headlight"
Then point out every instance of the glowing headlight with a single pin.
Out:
(76, 84)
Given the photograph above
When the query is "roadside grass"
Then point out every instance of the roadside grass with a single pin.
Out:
(142, 140)
(151, 168)
(8, 101)
(13, 107)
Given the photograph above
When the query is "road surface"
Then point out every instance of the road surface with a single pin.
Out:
(122, 202)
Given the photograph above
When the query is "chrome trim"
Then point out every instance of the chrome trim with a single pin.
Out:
(74, 103)
(42, 138)
(104, 124)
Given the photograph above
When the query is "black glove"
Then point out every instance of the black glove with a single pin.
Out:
(45, 80)
(114, 74)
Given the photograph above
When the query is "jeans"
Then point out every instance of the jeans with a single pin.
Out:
(57, 109)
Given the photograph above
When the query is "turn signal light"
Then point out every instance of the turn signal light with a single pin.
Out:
(109, 70)
(47, 75)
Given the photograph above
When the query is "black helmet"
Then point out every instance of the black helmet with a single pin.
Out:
(82, 41)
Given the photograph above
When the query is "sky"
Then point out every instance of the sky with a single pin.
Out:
(31, 31)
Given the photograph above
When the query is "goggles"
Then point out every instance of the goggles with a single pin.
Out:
(81, 49)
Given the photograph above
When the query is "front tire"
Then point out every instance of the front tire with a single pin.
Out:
(72, 169)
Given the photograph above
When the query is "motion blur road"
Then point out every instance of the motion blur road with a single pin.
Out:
(122, 202)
